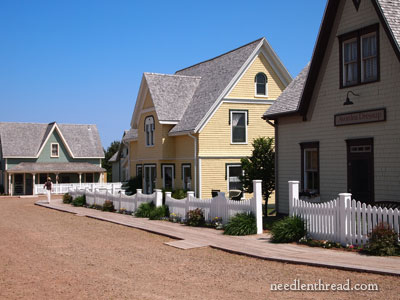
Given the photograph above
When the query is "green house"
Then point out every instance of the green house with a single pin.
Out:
(31, 152)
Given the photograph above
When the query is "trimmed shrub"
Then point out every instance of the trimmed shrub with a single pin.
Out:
(195, 218)
(108, 206)
(144, 210)
(159, 212)
(179, 194)
(287, 230)
(79, 201)
(383, 241)
(67, 198)
(132, 185)
(241, 224)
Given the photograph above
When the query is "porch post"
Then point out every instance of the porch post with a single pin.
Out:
(24, 184)
(34, 183)
(57, 178)
(80, 179)
(9, 185)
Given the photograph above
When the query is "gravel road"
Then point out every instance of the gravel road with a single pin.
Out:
(46, 254)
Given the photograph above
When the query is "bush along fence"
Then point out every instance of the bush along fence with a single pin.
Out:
(219, 206)
(341, 220)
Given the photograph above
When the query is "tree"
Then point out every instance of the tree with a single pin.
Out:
(111, 150)
(260, 165)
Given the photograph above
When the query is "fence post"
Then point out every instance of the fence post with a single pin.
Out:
(158, 201)
(112, 188)
(344, 201)
(293, 196)
(257, 190)
(190, 195)
(167, 195)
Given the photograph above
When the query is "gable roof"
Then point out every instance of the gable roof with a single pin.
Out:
(114, 158)
(129, 135)
(188, 97)
(215, 75)
(288, 100)
(171, 94)
(389, 14)
(28, 139)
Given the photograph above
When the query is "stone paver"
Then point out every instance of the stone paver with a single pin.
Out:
(254, 245)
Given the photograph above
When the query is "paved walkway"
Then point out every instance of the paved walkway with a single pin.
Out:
(255, 245)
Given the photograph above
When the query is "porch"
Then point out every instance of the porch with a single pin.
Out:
(29, 178)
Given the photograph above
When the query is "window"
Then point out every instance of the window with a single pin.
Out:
(149, 179)
(261, 84)
(233, 172)
(310, 167)
(139, 171)
(239, 121)
(186, 176)
(54, 150)
(168, 174)
(149, 130)
(359, 56)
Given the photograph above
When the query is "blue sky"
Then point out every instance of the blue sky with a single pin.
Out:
(82, 61)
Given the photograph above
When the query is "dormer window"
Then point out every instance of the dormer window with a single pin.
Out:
(149, 130)
(261, 84)
(54, 150)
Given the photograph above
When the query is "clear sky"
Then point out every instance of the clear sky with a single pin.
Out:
(81, 61)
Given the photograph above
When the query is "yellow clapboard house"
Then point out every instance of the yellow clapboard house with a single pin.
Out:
(190, 129)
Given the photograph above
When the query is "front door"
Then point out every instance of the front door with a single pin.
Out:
(360, 170)
(149, 179)
(18, 184)
(28, 184)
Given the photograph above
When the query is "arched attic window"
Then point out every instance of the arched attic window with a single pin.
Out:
(149, 130)
(261, 84)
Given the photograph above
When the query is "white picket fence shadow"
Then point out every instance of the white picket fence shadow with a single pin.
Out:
(341, 220)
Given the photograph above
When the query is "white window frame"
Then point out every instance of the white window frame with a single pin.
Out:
(345, 83)
(145, 179)
(266, 86)
(137, 169)
(309, 170)
(51, 150)
(227, 173)
(245, 124)
(173, 172)
(374, 33)
(149, 131)
(183, 176)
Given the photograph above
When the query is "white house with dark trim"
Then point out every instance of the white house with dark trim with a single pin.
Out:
(337, 124)
(31, 152)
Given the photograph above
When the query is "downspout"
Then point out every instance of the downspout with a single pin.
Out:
(195, 163)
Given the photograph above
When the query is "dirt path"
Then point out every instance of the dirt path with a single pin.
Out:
(45, 254)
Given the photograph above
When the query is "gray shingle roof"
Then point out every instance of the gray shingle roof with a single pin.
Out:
(27, 167)
(130, 134)
(289, 100)
(391, 11)
(215, 75)
(114, 158)
(171, 94)
(26, 139)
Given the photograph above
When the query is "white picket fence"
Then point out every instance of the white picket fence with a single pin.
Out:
(62, 188)
(119, 199)
(219, 206)
(340, 220)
